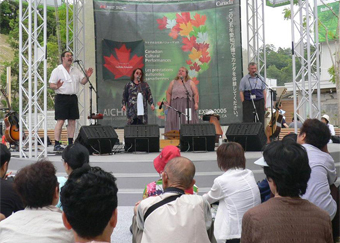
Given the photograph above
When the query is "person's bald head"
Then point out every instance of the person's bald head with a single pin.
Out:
(180, 172)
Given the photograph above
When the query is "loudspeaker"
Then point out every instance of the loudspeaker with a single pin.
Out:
(250, 135)
(97, 139)
(141, 138)
(197, 137)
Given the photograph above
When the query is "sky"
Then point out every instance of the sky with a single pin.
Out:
(277, 30)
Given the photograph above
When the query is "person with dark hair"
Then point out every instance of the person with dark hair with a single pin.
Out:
(40, 221)
(89, 200)
(176, 97)
(252, 89)
(298, 123)
(74, 156)
(65, 81)
(314, 136)
(174, 216)
(10, 201)
(325, 119)
(136, 96)
(286, 217)
(236, 191)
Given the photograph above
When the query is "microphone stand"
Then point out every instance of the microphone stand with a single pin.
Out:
(188, 95)
(179, 114)
(91, 88)
(271, 99)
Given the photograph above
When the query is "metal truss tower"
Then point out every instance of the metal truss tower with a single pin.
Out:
(32, 77)
(256, 45)
(75, 42)
(306, 58)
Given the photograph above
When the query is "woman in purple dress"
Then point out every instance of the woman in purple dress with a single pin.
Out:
(177, 98)
(137, 108)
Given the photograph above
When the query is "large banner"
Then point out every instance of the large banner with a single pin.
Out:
(160, 37)
(329, 20)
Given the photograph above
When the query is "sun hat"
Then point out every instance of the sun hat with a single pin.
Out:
(326, 117)
(261, 162)
(169, 152)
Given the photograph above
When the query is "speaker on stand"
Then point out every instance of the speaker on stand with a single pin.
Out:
(97, 139)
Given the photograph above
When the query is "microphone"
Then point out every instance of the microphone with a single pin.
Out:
(181, 77)
(138, 78)
(256, 74)
(160, 107)
(77, 61)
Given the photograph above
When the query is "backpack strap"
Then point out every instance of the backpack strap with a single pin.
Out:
(159, 204)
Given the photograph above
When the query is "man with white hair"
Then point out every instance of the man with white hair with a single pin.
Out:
(325, 119)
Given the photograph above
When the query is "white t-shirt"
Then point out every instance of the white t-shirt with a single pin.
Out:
(71, 79)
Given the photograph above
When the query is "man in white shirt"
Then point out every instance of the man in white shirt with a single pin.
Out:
(41, 221)
(314, 136)
(325, 119)
(185, 218)
(65, 81)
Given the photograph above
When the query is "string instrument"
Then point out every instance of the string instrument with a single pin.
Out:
(273, 129)
(11, 122)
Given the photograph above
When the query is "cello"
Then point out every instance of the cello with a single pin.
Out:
(273, 129)
(11, 122)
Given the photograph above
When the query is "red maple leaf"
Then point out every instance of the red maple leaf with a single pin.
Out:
(195, 80)
(176, 27)
(199, 20)
(189, 43)
(184, 18)
(123, 65)
(204, 59)
(189, 62)
(162, 23)
(173, 34)
(195, 67)
(201, 46)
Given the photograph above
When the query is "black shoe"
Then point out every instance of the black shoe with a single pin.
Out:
(58, 148)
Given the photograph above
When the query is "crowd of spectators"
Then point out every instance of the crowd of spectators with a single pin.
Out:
(299, 171)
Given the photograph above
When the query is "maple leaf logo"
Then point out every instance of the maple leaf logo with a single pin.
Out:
(122, 65)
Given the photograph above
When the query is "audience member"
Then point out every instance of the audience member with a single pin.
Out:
(236, 191)
(314, 136)
(9, 199)
(325, 119)
(286, 217)
(74, 156)
(40, 221)
(174, 216)
(156, 188)
(298, 123)
(89, 200)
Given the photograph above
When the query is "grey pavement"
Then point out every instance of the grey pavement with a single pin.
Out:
(134, 170)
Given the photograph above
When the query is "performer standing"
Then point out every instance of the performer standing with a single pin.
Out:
(253, 89)
(65, 81)
(136, 95)
(177, 98)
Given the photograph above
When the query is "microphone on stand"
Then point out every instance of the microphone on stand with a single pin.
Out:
(181, 77)
(256, 74)
(77, 61)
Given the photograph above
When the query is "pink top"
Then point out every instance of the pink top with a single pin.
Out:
(178, 90)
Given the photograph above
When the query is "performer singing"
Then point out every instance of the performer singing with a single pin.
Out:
(252, 88)
(177, 98)
(135, 97)
(65, 81)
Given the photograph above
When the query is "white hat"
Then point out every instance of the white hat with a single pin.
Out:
(261, 162)
(326, 117)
